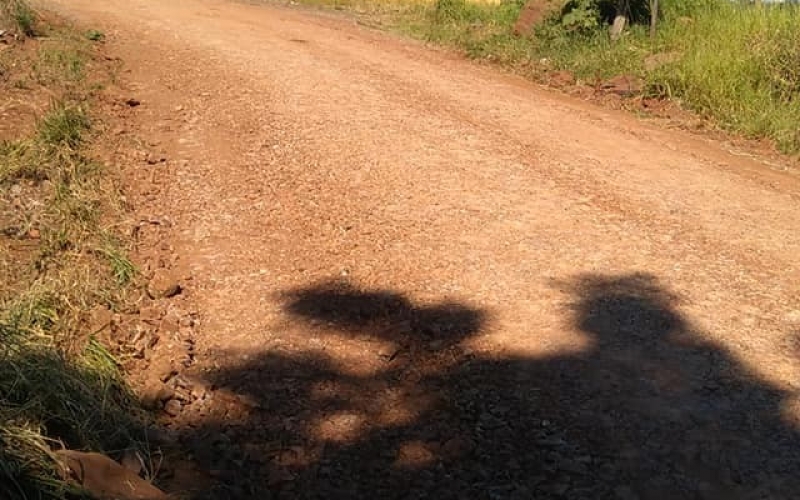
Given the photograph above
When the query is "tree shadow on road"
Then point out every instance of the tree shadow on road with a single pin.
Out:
(653, 410)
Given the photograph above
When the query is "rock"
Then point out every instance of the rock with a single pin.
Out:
(155, 158)
(173, 408)
(155, 394)
(161, 368)
(133, 102)
(105, 479)
(414, 454)
(34, 234)
(170, 324)
(163, 285)
(533, 13)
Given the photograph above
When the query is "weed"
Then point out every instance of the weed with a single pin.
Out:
(62, 64)
(65, 126)
(95, 36)
(19, 13)
(122, 269)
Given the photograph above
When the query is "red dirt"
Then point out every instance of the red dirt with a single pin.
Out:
(418, 278)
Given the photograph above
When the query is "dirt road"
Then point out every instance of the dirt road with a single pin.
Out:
(423, 279)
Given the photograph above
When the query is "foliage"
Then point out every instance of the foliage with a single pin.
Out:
(581, 16)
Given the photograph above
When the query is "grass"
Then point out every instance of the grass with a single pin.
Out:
(735, 64)
(95, 36)
(59, 386)
(123, 270)
(20, 15)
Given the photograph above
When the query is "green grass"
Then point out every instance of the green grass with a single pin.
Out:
(740, 66)
(737, 65)
(59, 386)
(123, 270)
(95, 36)
(20, 15)
(50, 399)
(64, 127)
(61, 64)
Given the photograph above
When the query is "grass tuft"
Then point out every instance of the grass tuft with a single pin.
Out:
(64, 127)
(20, 14)
(95, 36)
(122, 269)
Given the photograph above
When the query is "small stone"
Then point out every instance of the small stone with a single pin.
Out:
(133, 102)
(155, 158)
(163, 285)
(34, 234)
(155, 394)
(198, 393)
(173, 408)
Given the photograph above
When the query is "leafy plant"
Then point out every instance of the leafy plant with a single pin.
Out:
(581, 16)
(95, 36)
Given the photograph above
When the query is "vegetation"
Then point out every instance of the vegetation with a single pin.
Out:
(734, 63)
(59, 387)
(20, 15)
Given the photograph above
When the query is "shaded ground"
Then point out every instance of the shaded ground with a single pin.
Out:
(411, 276)
(650, 411)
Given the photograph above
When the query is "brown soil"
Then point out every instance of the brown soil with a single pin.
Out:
(406, 276)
